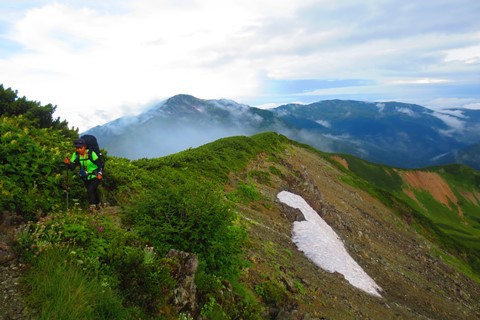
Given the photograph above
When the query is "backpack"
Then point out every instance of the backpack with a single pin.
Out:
(92, 145)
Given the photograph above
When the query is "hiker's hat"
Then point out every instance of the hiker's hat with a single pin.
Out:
(79, 143)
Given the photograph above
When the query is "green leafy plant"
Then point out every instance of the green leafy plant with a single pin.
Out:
(272, 292)
(244, 193)
(190, 215)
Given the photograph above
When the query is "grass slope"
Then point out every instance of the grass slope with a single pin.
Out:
(419, 278)
(416, 282)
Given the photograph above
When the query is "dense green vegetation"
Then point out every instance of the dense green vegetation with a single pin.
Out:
(33, 144)
(189, 214)
(216, 160)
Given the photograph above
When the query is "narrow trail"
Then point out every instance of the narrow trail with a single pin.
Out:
(12, 305)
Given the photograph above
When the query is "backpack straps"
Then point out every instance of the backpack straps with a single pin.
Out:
(97, 162)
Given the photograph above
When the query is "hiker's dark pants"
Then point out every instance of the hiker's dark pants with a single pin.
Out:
(92, 191)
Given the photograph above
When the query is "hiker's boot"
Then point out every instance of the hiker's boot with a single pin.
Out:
(92, 209)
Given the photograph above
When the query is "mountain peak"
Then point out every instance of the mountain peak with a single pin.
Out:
(183, 99)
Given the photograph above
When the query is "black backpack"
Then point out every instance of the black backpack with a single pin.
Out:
(92, 145)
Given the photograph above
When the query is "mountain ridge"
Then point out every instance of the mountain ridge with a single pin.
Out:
(375, 232)
(392, 133)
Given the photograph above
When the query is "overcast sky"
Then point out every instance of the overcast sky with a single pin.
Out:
(99, 60)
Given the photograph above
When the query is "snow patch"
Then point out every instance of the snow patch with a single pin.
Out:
(321, 244)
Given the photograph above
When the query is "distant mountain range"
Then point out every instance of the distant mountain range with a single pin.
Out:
(392, 133)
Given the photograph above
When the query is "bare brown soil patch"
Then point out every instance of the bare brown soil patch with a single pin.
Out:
(473, 197)
(432, 183)
(342, 161)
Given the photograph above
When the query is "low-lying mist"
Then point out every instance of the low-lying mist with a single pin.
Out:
(160, 143)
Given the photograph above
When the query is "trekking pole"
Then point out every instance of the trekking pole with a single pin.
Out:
(66, 179)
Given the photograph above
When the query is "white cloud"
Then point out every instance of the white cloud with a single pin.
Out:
(324, 123)
(380, 106)
(468, 55)
(443, 103)
(455, 113)
(407, 111)
(453, 121)
(268, 105)
(107, 57)
(473, 106)
(103, 61)
(419, 81)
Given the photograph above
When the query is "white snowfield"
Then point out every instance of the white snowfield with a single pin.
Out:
(319, 242)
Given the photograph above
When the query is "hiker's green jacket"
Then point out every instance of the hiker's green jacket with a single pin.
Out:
(90, 164)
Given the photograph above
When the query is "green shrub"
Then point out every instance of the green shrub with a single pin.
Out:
(276, 171)
(244, 193)
(40, 116)
(272, 292)
(124, 180)
(260, 176)
(220, 299)
(144, 285)
(32, 174)
(187, 214)
(216, 160)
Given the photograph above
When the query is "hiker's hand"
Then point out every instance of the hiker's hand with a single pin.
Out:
(66, 161)
(99, 176)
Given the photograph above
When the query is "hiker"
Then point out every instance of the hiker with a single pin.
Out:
(91, 171)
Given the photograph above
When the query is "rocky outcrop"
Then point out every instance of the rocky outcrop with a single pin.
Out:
(185, 292)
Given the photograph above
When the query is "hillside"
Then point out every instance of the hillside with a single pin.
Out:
(203, 234)
(399, 225)
(384, 233)
(419, 279)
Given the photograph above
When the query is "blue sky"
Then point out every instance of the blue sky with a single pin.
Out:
(99, 60)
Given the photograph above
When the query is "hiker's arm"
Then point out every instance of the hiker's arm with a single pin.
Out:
(70, 163)
(100, 168)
